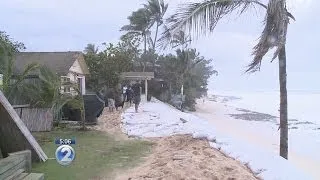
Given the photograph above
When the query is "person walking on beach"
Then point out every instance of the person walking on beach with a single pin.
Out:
(124, 92)
(136, 95)
(129, 95)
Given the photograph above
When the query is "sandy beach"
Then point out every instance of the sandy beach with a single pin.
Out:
(176, 157)
(225, 120)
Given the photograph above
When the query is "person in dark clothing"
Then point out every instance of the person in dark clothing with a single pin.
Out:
(129, 95)
(136, 95)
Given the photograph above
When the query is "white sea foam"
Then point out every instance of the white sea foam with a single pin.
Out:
(158, 119)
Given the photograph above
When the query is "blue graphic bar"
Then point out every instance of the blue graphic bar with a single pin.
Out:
(65, 141)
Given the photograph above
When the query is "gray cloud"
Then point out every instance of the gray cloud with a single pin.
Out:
(69, 25)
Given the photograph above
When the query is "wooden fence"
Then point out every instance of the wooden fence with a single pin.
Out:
(36, 119)
(14, 135)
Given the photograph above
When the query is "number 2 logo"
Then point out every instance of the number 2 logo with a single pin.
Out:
(65, 154)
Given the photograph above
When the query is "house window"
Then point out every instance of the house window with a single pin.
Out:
(65, 79)
(67, 89)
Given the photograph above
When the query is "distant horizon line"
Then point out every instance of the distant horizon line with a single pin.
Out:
(261, 91)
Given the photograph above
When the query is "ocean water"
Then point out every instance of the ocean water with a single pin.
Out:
(303, 109)
(303, 106)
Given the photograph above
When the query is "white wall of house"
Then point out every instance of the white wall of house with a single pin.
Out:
(1, 79)
(83, 83)
(76, 68)
(75, 72)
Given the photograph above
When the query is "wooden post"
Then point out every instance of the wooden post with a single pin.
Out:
(21, 112)
(140, 86)
(182, 89)
(146, 88)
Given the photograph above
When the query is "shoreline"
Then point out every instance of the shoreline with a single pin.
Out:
(246, 125)
(174, 156)
(158, 119)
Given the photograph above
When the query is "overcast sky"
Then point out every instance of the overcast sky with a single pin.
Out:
(63, 25)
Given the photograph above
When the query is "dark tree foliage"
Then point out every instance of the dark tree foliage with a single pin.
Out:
(189, 68)
(105, 67)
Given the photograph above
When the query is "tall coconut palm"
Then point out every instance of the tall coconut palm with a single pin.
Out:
(140, 24)
(157, 9)
(201, 18)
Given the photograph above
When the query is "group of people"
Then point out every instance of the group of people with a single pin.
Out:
(130, 94)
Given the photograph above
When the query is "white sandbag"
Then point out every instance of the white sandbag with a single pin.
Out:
(211, 138)
(199, 135)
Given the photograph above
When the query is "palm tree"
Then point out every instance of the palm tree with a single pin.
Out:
(200, 18)
(91, 49)
(46, 93)
(180, 39)
(11, 84)
(139, 26)
(157, 9)
(187, 60)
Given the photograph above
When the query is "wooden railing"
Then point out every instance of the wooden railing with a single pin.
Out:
(18, 166)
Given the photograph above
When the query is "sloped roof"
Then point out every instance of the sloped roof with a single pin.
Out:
(137, 75)
(59, 62)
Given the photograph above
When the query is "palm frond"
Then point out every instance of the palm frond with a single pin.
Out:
(273, 34)
(201, 18)
(174, 40)
(18, 83)
(150, 42)
(49, 77)
(157, 9)
(165, 38)
(29, 68)
(127, 28)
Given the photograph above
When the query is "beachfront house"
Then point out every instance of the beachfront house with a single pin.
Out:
(70, 66)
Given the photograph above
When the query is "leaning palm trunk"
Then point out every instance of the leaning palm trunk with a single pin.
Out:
(283, 104)
(145, 43)
(144, 52)
(155, 37)
(154, 46)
